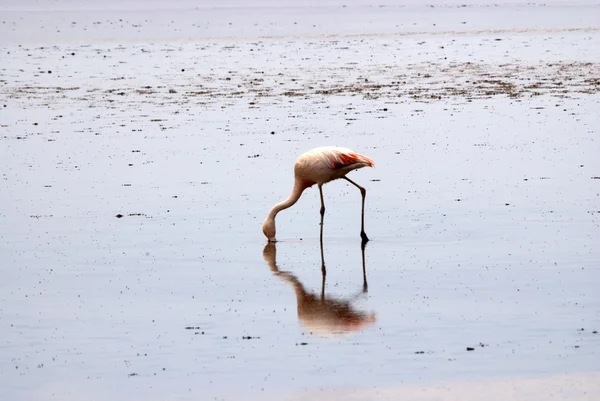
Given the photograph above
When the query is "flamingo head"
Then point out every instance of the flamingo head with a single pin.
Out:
(268, 229)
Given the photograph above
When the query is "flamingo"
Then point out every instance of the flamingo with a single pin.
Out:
(320, 166)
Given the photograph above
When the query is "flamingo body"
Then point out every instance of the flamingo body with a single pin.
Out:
(320, 166)
(328, 163)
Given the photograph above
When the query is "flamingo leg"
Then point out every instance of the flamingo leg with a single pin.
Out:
(322, 213)
(363, 192)
(323, 270)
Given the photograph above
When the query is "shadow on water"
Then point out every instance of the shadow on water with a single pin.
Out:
(320, 313)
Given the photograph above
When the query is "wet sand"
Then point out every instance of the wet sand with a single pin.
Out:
(141, 147)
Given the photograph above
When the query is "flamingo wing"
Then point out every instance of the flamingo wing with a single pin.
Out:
(347, 159)
(341, 157)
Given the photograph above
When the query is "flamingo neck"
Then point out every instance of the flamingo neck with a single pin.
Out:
(299, 187)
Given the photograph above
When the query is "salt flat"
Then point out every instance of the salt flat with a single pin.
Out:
(184, 119)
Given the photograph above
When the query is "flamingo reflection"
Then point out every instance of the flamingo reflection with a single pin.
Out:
(321, 313)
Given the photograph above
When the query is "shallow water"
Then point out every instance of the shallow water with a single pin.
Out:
(482, 210)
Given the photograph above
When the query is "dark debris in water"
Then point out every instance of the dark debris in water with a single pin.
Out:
(118, 216)
(479, 345)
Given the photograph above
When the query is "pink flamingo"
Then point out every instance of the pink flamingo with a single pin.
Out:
(319, 166)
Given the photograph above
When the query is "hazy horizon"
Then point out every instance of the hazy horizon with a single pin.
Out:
(36, 5)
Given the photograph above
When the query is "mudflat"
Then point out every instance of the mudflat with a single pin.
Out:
(143, 143)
